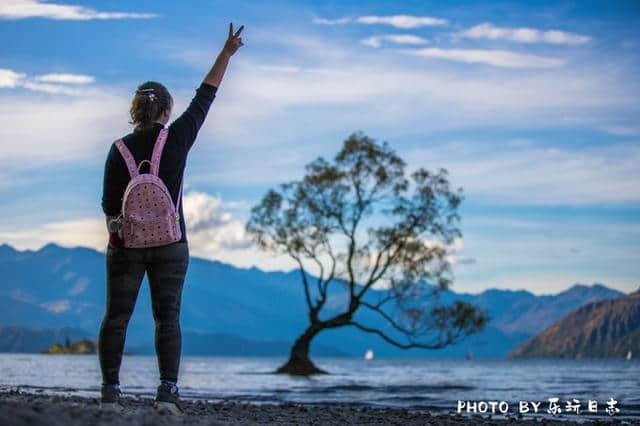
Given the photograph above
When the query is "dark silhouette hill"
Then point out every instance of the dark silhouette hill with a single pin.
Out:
(22, 339)
(606, 328)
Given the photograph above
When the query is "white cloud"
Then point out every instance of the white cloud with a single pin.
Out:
(523, 35)
(402, 21)
(21, 9)
(323, 21)
(58, 84)
(58, 89)
(376, 41)
(211, 229)
(57, 306)
(398, 21)
(10, 79)
(215, 233)
(65, 78)
(497, 58)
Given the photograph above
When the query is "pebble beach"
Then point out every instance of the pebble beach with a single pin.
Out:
(19, 408)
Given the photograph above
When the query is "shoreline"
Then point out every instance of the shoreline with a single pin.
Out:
(18, 408)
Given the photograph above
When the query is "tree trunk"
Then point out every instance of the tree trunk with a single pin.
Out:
(299, 363)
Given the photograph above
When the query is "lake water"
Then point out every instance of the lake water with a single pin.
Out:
(415, 384)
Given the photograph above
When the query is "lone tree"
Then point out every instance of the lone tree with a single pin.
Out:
(360, 224)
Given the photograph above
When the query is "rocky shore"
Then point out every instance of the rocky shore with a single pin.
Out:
(18, 408)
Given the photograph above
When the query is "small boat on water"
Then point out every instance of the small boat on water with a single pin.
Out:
(629, 355)
(368, 356)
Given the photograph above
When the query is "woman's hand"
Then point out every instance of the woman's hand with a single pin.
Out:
(234, 41)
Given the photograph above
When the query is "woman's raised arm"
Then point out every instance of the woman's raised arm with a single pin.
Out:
(186, 127)
(233, 43)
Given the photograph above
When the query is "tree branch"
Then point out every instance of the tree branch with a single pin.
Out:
(304, 281)
(387, 298)
(386, 316)
(382, 272)
(333, 269)
(400, 239)
(312, 255)
(437, 345)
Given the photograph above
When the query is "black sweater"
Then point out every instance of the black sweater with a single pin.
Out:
(182, 135)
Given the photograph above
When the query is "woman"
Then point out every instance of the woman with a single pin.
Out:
(165, 265)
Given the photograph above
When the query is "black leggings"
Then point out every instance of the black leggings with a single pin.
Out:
(166, 268)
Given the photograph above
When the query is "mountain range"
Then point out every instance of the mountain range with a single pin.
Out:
(57, 287)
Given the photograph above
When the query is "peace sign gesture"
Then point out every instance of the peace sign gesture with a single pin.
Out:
(234, 41)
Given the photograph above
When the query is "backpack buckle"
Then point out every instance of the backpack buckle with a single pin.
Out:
(114, 224)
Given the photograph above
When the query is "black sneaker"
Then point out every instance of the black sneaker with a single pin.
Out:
(110, 399)
(168, 400)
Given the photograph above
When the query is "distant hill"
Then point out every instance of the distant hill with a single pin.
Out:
(607, 328)
(60, 287)
(22, 339)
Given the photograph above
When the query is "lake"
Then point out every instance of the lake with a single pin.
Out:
(437, 385)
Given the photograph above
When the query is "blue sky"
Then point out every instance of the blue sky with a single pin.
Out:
(533, 108)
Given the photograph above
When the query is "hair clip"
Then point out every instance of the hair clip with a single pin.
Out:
(149, 92)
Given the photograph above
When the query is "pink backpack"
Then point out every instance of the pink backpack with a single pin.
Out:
(148, 217)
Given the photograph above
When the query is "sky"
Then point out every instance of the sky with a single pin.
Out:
(532, 107)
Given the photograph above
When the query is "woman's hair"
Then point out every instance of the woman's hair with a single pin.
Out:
(149, 102)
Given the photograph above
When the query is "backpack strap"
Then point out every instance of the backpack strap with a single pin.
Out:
(128, 158)
(158, 148)
(157, 151)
